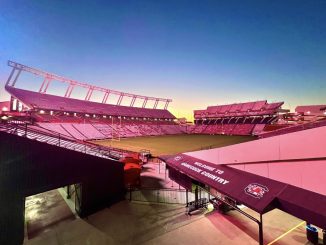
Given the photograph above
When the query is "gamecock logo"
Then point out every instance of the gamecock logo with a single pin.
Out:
(177, 158)
(256, 190)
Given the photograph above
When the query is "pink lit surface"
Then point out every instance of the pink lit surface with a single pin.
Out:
(301, 145)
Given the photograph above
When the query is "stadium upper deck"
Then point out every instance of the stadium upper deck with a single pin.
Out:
(42, 100)
(257, 108)
(38, 101)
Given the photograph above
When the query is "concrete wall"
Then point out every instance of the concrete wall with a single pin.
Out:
(305, 144)
(309, 175)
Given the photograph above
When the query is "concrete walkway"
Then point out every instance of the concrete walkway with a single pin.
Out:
(129, 223)
(137, 223)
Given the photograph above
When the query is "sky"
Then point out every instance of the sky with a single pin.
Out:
(198, 53)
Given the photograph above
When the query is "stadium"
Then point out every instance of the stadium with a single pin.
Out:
(125, 172)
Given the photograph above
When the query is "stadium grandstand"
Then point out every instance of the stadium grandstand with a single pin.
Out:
(249, 158)
(236, 119)
(89, 120)
(85, 119)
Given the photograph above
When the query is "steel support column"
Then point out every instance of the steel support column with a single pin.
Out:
(47, 83)
(144, 103)
(15, 80)
(68, 90)
(261, 236)
(89, 93)
(133, 101)
(155, 105)
(120, 99)
(10, 76)
(43, 83)
(71, 89)
(106, 96)
(166, 105)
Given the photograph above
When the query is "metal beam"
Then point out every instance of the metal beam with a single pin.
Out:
(47, 85)
(166, 104)
(133, 100)
(10, 76)
(260, 225)
(106, 96)
(89, 93)
(120, 99)
(42, 86)
(156, 103)
(67, 91)
(52, 76)
(15, 80)
(71, 89)
(144, 103)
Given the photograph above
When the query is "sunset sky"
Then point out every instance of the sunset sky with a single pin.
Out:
(197, 53)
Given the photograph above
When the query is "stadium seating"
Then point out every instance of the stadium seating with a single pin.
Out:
(100, 130)
(55, 127)
(86, 120)
(89, 131)
(258, 129)
(243, 129)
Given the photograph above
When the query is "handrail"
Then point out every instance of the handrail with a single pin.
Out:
(60, 140)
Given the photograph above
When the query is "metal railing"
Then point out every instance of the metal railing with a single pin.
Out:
(49, 137)
(168, 196)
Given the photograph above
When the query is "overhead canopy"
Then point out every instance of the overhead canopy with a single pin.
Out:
(304, 204)
(256, 192)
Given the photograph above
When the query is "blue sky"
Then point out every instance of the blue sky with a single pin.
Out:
(198, 53)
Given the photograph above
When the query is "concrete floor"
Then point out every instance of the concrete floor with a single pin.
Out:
(139, 223)
(148, 223)
(44, 211)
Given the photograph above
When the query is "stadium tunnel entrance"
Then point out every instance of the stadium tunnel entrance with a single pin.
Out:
(49, 209)
(29, 167)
